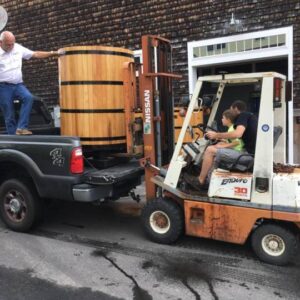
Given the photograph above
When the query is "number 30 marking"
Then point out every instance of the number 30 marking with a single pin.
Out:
(240, 190)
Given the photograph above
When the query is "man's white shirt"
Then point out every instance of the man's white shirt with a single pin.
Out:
(11, 63)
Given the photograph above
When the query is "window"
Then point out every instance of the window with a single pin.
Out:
(240, 46)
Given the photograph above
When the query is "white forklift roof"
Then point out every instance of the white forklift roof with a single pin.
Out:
(240, 77)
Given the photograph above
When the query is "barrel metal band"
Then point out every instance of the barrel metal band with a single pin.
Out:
(97, 111)
(99, 52)
(87, 82)
(110, 138)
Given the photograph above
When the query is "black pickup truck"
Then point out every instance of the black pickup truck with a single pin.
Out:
(38, 167)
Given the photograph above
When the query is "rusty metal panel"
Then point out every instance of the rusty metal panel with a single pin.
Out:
(287, 216)
(221, 222)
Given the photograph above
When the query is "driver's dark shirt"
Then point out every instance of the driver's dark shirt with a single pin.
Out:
(249, 121)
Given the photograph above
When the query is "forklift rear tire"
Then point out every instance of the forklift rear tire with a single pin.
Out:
(163, 220)
(20, 207)
(275, 244)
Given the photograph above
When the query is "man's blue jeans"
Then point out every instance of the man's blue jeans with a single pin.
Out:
(8, 93)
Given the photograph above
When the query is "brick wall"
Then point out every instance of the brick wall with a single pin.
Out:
(52, 24)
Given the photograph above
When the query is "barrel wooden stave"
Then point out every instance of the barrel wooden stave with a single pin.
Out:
(85, 97)
(88, 127)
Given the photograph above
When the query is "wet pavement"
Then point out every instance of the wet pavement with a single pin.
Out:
(83, 251)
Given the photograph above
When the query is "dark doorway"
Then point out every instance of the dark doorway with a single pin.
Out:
(274, 65)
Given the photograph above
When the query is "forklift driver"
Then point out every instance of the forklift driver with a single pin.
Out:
(245, 128)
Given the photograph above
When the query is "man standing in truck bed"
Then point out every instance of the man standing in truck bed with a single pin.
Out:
(11, 82)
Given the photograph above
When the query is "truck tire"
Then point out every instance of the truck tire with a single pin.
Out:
(274, 244)
(20, 206)
(163, 220)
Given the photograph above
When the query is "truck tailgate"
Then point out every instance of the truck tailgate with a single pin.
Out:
(118, 174)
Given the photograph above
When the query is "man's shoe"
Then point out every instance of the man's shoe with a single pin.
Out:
(203, 187)
(23, 132)
(194, 182)
(190, 179)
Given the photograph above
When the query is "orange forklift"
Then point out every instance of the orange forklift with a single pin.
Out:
(249, 199)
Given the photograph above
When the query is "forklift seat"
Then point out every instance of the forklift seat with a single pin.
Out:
(245, 161)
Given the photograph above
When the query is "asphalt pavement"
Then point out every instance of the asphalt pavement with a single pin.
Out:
(83, 251)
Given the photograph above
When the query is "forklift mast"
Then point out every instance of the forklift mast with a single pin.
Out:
(157, 105)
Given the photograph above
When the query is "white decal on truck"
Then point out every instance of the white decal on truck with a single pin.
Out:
(57, 157)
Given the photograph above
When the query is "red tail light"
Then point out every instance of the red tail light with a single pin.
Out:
(76, 166)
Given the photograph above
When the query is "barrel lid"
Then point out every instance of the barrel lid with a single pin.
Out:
(93, 50)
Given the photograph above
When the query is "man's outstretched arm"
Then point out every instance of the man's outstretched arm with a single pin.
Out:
(44, 54)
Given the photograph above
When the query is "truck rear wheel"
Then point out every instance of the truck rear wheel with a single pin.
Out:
(20, 207)
(163, 220)
(275, 244)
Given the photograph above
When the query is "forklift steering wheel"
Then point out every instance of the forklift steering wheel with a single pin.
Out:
(210, 129)
(204, 130)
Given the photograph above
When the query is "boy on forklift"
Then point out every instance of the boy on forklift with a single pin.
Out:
(228, 118)
(245, 128)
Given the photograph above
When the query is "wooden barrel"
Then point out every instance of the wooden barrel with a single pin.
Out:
(197, 118)
(92, 96)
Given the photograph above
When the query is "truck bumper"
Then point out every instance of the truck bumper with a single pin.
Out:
(89, 193)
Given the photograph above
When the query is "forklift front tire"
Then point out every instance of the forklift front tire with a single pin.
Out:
(275, 244)
(163, 220)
